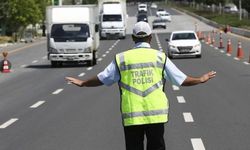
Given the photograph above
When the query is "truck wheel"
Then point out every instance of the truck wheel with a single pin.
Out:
(55, 64)
(93, 61)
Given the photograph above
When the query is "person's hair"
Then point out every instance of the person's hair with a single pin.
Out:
(141, 39)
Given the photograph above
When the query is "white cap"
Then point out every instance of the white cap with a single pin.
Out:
(141, 29)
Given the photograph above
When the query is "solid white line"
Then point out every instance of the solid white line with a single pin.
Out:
(35, 61)
(39, 103)
(81, 75)
(188, 117)
(181, 99)
(89, 68)
(197, 144)
(57, 91)
(8, 123)
(175, 88)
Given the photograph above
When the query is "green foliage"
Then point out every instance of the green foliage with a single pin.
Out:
(20, 13)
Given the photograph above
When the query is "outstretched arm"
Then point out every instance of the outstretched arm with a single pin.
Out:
(189, 81)
(92, 82)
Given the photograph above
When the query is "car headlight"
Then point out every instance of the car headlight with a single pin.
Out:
(87, 50)
(197, 45)
(53, 50)
(172, 46)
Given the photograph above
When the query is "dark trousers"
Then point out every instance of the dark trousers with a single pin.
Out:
(134, 137)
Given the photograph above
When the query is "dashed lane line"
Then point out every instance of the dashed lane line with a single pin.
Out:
(34, 61)
(188, 117)
(175, 88)
(8, 123)
(197, 144)
(57, 91)
(99, 59)
(37, 104)
(89, 68)
(181, 99)
(81, 74)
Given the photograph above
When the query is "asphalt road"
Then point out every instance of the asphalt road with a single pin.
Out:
(40, 111)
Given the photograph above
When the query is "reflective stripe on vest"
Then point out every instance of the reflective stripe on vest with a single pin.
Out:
(143, 100)
(145, 113)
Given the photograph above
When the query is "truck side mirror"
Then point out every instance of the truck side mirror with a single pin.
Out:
(96, 28)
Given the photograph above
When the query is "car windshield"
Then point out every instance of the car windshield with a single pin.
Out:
(70, 32)
(142, 6)
(112, 18)
(183, 36)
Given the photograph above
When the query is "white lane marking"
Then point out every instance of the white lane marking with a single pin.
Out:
(188, 117)
(236, 58)
(228, 54)
(37, 104)
(107, 52)
(175, 88)
(197, 144)
(8, 123)
(222, 51)
(35, 61)
(99, 59)
(104, 55)
(24, 66)
(89, 68)
(216, 48)
(69, 83)
(57, 91)
(81, 75)
(110, 49)
(246, 63)
(44, 57)
(181, 99)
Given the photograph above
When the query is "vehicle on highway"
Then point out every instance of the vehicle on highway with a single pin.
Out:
(142, 17)
(72, 34)
(27, 37)
(153, 5)
(165, 16)
(159, 23)
(160, 11)
(142, 7)
(183, 43)
(113, 18)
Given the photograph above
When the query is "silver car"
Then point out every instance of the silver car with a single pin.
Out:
(159, 23)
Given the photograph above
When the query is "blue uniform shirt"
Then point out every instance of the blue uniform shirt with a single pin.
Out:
(111, 74)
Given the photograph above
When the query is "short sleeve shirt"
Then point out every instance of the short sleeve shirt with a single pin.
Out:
(111, 75)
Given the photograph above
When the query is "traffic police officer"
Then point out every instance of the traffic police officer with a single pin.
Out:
(141, 73)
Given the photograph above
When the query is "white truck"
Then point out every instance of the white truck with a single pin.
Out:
(113, 18)
(72, 34)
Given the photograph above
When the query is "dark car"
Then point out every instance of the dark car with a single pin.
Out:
(142, 17)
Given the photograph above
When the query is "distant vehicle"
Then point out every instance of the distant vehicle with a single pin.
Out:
(165, 16)
(153, 5)
(72, 34)
(230, 8)
(159, 23)
(142, 7)
(183, 43)
(160, 11)
(142, 17)
(113, 18)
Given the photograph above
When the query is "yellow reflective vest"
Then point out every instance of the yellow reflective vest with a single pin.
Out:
(143, 100)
